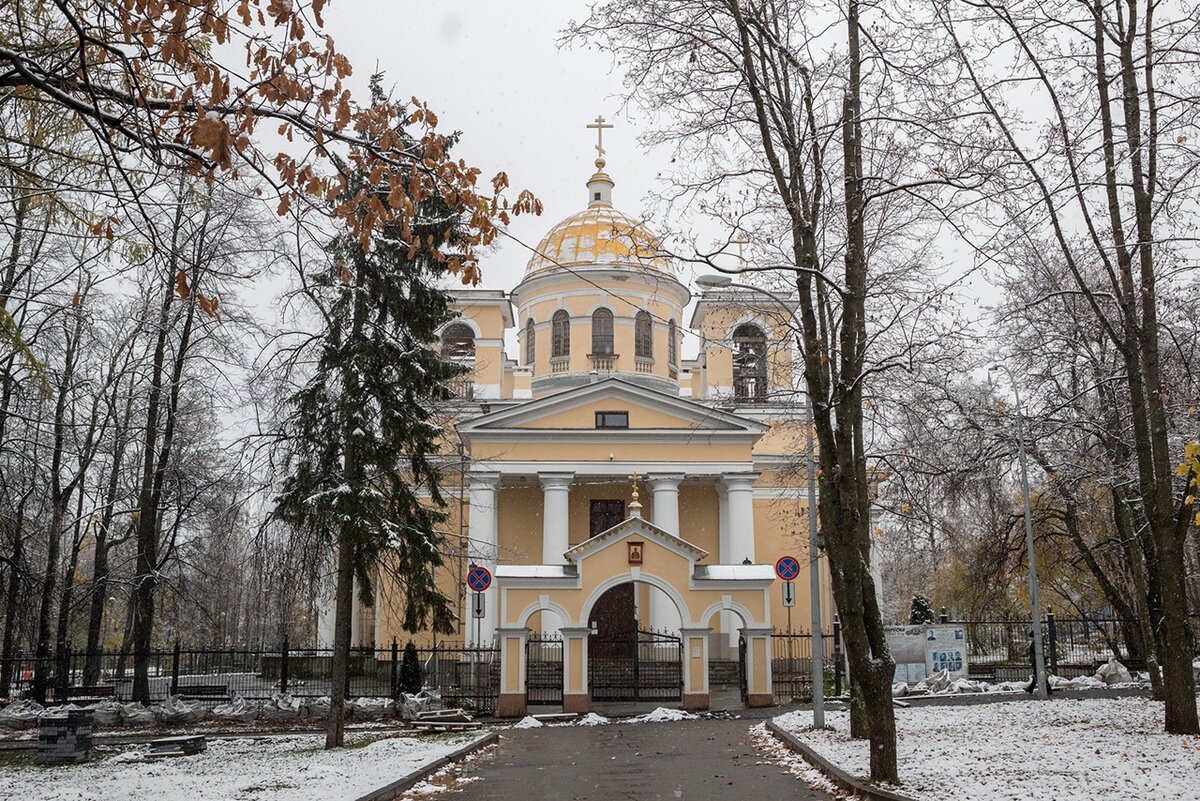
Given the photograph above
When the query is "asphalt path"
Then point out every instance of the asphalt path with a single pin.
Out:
(694, 760)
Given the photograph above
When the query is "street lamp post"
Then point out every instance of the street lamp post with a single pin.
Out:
(814, 580)
(1039, 657)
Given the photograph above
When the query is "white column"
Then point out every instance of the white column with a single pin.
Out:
(665, 493)
(739, 490)
(738, 525)
(556, 494)
(665, 515)
(729, 621)
(482, 550)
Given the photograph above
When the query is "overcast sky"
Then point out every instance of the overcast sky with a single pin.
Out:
(494, 71)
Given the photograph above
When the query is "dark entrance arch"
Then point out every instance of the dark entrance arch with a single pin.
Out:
(625, 661)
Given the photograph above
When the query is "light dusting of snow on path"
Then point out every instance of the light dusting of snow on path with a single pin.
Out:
(1060, 750)
(267, 769)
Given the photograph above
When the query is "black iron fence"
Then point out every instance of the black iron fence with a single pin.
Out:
(791, 664)
(464, 675)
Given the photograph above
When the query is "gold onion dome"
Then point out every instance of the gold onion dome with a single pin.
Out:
(599, 235)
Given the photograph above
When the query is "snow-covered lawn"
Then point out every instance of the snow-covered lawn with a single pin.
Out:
(293, 768)
(1060, 750)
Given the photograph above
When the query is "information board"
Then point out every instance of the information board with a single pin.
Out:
(922, 650)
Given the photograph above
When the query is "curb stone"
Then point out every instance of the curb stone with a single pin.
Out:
(835, 774)
(391, 791)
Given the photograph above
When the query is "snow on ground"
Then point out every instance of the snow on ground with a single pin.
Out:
(1060, 750)
(292, 768)
(662, 715)
(528, 722)
(592, 719)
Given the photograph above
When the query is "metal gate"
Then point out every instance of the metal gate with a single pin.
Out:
(543, 669)
(637, 665)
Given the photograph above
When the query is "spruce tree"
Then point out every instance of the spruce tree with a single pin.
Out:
(360, 434)
(411, 675)
(920, 613)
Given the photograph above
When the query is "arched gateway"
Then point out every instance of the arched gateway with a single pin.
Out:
(599, 585)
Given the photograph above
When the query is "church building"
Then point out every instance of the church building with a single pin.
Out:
(615, 490)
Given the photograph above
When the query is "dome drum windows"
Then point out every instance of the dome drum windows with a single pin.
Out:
(643, 337)
(530, 344)
(560, 336)
(602, 355)
(749, 363)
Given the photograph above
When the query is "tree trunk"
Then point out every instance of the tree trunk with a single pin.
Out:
(61, 637)
(60, 497)
(12, 597)
(343, 604)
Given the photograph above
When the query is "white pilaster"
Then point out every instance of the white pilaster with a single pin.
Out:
(482, 550)
(556, 494)
(665, 515)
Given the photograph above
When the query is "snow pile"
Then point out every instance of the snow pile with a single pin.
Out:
(292, 768)
(1068, 749)
(592, 719)
(528, 722)
(662, 715)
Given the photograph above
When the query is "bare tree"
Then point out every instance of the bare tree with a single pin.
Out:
(1093, 166)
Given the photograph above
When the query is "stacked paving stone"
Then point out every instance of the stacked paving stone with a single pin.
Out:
(65, 736)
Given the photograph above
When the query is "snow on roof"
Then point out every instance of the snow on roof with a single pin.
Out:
(735, 572)
(536, 571)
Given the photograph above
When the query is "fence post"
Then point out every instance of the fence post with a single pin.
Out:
(283, 666)
(1052, 641)
(944, 617)
(64, 673)
(175, 669)
(395, 661)
(837, 656)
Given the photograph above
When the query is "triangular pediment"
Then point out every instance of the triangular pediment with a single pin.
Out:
(648, 411)
(639, 528)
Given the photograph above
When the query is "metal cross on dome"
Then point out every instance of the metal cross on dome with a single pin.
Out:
(599, 126)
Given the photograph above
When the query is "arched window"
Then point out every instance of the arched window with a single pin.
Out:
(530, 350)
(643, 336)
(458, 341)
(560, 334)
(602, 332)
(672, 345)
(749, 363)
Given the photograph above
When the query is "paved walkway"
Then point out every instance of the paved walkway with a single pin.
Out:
(693, 760)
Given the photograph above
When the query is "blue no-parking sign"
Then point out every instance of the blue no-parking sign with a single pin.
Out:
(787, 567)
(479, 578)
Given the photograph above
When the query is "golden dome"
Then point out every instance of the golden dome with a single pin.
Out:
(599, 235)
